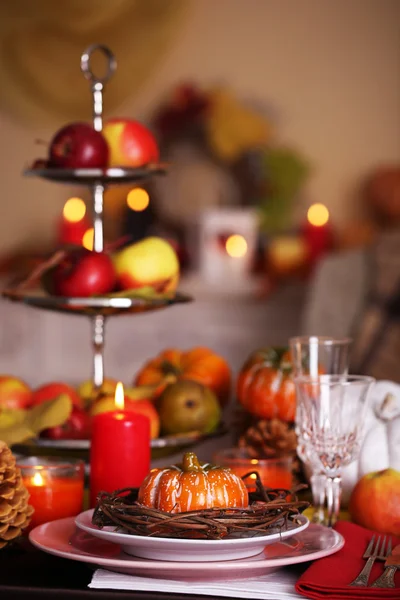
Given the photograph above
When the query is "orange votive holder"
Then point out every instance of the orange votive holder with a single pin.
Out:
(55, 487)
(274, 472)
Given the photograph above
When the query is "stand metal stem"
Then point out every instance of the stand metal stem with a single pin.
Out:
(98, 325)
(98, 203)
(97, 86)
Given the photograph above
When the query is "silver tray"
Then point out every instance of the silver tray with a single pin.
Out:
(113, 175)
(168, 441)
(99, 305)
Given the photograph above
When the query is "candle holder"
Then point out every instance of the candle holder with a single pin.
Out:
(276, 472)
(55, 487)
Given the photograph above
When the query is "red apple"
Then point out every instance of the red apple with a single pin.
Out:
(51, 390)
(14, 393)
(375, 501)
(84, 273)
(78, 146)
(130, 143)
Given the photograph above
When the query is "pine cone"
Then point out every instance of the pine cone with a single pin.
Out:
(269, 438)
(15, 512)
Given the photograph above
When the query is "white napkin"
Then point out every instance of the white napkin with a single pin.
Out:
(278, 585)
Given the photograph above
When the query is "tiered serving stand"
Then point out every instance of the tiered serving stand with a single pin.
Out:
(99, 308)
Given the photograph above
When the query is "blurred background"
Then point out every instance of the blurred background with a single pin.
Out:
(281, 124)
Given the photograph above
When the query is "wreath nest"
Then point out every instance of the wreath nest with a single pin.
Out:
(269, 511)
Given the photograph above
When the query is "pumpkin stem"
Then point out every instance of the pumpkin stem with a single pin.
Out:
(190, 462)
(168, 368)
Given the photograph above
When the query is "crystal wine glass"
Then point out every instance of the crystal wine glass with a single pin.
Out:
(331, 412)
(313, 355)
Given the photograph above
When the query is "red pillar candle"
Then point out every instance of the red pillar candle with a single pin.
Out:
(317, 232)
(120, 449)
(72, 232)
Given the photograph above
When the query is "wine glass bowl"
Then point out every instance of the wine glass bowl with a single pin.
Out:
(316, 355)
(331, 411)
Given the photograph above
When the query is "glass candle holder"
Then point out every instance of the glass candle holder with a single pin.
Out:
(55, 487)
(273, 472)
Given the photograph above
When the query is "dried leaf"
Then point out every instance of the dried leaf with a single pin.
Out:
(49, 414)
(19, 426)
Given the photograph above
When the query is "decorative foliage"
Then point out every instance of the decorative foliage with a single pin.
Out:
(238, 137)
(285, 173)
(18, 426)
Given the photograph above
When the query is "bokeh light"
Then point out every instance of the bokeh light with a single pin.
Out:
(88, 239)
(138, 199)
(236, 246)
(318, 215)
(74, 210)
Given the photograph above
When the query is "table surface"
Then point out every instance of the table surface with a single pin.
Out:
(29, 574)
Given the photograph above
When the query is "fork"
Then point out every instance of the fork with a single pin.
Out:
(373, 552)
(386, 580)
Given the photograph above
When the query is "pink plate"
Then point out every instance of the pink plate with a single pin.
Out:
(62, 538)
(190, 550)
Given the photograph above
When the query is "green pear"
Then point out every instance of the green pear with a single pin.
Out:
(187, 406)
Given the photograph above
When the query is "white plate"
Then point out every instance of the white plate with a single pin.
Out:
(63, 539)
(186, 550)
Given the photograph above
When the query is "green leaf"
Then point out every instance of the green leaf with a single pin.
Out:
(285, 173)
(10, 417)
(49, 414)
(16, 434)
(19, 426)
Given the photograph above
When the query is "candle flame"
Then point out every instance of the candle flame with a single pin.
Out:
(119, 396)
(318, 215)
(37, 479)
(236, 246)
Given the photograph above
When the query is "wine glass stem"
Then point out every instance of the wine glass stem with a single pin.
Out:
(318, 489)
(333, 494)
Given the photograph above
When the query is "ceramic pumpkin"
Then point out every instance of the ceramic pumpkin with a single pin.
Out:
(198, 364)
(380, 447)
(192, 486)
(265, 387)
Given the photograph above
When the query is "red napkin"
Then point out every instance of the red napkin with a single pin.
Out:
(329, 578)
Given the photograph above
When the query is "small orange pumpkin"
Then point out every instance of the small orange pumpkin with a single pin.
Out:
(192, 486)
(265, 386)
(198, 364)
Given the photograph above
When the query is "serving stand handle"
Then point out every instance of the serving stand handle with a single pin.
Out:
(97, 83)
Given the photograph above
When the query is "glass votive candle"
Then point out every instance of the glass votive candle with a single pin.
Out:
(274, 472)
(55, 487)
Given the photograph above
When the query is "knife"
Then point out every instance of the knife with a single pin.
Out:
(392, 563)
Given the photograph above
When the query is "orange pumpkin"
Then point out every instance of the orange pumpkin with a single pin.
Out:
(192, 486)
(265, 386)
(198, 364)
